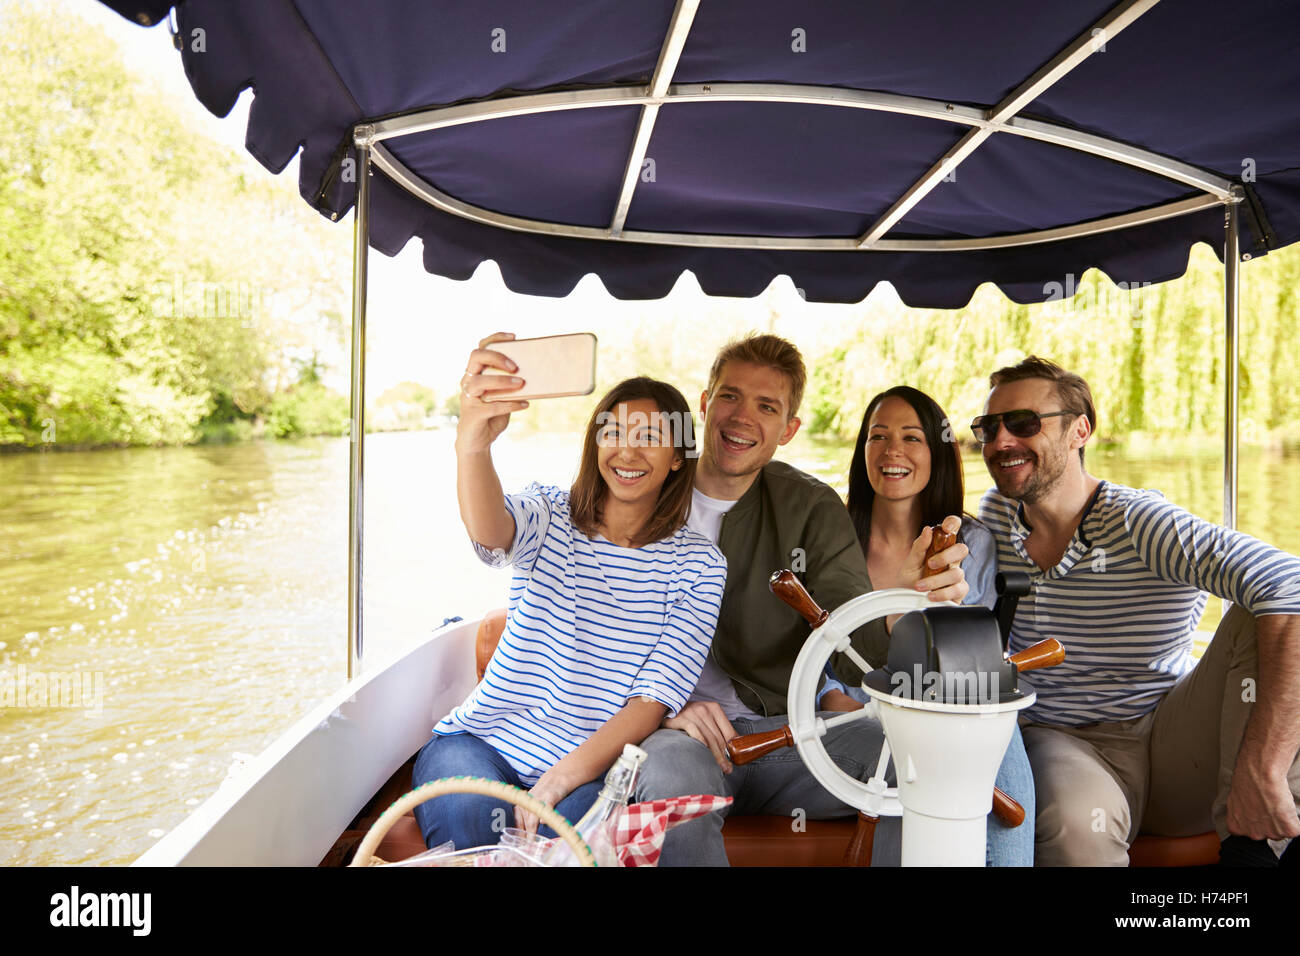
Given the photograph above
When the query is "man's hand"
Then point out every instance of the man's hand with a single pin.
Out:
(704, 721)
(1260, 804)
(941, 576)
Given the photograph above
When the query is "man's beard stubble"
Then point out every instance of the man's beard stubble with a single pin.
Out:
(1046, 475)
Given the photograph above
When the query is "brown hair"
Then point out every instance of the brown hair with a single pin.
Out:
(587, 496)
(1071, 390)
(769, 351)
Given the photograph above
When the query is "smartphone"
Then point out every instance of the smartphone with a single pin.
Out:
(552, 366)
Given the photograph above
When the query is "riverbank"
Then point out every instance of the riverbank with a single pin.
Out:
(1283, 440)
(307, 410)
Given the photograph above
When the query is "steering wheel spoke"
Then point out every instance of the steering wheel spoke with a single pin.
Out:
(858, 659)
(805, 678)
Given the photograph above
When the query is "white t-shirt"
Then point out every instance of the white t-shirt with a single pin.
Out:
(714, 684)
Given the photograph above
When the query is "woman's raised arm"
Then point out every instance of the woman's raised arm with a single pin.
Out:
(478, 489)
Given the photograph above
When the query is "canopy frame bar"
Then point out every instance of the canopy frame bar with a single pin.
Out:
(679, 26)
(384, 160)
(1056, 69)
(1217, 188)
(532, 103)
(1095, 38)
(357, 408)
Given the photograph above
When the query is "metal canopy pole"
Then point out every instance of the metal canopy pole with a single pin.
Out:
(363, 136)
(1231, 283)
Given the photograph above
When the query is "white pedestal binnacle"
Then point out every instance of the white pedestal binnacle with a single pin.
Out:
(946, 755)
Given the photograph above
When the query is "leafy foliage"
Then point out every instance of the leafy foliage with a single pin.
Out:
(135, 306)
(307, 409)
(151, 293)
(1154, 355)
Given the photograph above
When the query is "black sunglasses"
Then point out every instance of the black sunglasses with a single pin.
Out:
(1022, 423)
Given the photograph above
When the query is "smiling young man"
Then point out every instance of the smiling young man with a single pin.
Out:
(766, 515)
(1131, 733)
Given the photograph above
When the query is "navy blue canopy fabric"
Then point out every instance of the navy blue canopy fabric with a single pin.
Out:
(1212, 85)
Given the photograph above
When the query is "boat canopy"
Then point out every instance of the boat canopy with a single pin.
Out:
(933, 144)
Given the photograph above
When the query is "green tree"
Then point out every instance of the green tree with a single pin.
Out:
(137, 296)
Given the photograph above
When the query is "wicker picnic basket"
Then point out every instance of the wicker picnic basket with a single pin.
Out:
(365, 855)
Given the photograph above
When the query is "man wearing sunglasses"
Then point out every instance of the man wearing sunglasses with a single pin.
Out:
(1131, 733)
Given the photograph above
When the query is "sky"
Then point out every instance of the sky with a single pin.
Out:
(421, 327)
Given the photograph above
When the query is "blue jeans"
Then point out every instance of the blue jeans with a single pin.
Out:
(468, 819)
(1013, 846)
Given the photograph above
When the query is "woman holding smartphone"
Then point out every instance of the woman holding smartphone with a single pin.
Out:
(612, 604)
(906, 474)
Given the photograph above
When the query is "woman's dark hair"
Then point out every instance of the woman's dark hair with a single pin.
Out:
(587, 496)
(945, 492)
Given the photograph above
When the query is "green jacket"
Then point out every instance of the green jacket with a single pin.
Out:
(787, 519)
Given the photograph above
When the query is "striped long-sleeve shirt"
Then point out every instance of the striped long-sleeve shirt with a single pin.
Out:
(1127, 596)
(589, 626)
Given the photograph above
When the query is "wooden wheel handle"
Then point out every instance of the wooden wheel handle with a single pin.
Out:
(790, 590)
(941, 541)
(1046, 653)
(1007, 810)
(864, 838)
(742, 750)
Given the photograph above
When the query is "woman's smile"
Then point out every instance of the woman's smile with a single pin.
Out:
(898, 458)
(635, 452)
(628, 475)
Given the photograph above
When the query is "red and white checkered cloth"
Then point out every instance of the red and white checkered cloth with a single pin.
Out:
(639, 834)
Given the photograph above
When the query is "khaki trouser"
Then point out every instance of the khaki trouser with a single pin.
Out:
(1166, 773)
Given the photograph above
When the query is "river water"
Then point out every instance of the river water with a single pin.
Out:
(168, 610)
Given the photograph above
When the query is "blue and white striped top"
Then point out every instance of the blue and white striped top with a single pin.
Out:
(1127, 596)
(589, 626)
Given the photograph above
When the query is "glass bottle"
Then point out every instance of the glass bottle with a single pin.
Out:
(597, 825)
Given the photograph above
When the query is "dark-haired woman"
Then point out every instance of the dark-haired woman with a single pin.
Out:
(612, 605)
(906, 474)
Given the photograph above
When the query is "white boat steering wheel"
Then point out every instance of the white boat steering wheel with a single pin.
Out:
(807, 728)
